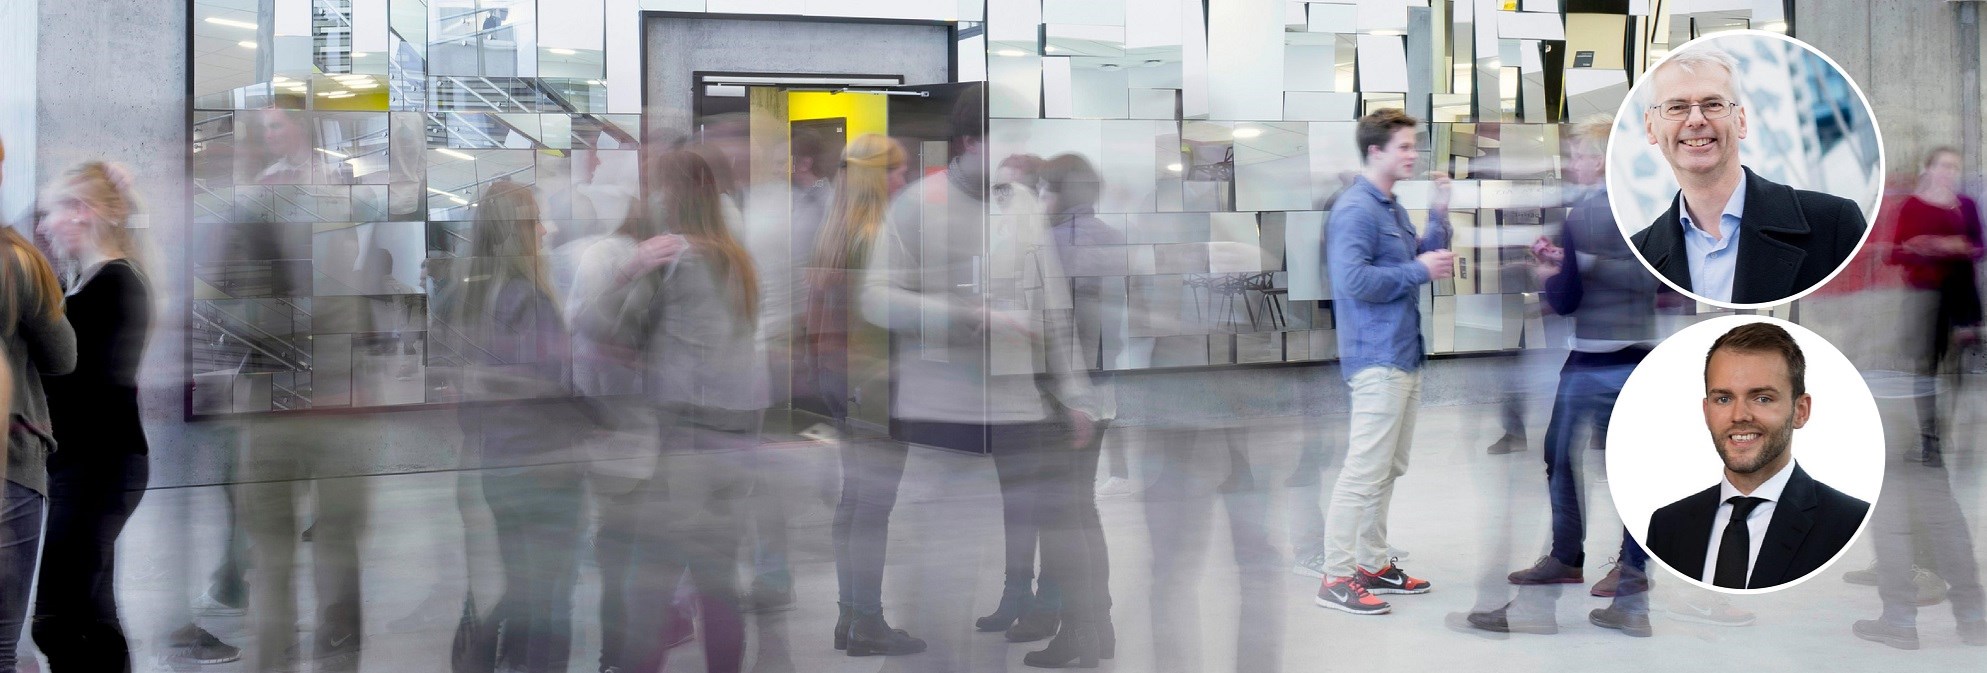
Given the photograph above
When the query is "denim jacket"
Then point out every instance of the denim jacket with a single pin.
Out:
(1370, 248)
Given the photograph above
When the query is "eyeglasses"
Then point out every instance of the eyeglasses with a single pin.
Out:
(1677, 111)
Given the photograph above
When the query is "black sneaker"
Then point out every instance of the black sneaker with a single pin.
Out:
(1347, 594)
(194, 645)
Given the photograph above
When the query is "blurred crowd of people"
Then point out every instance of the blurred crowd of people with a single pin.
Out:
(612, 388)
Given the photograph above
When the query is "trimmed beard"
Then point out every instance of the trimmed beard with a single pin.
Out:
(1778, 441)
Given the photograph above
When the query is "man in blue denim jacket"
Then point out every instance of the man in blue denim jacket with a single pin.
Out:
(1377, 268)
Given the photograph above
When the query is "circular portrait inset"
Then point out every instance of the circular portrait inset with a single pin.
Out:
(1745, 168)
(1745, 454)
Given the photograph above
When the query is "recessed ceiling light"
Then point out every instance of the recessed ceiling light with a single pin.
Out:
(231, 23)
(1175, 167)
(361, 85)
(279, 79)
(453, 153)
(246, 44)
(1010, 53)
(562, 52)
(326, 94)
(342, 94)
(358, 54)
(340, 155)
(1247, 132)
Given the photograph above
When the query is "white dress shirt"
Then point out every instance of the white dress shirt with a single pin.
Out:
(1756, 521)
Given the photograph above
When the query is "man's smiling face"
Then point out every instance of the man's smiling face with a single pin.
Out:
(1696, 144)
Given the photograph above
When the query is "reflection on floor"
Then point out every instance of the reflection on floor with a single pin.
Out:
(1466, 518)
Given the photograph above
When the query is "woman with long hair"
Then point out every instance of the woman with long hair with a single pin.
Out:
(608, 371)
(707, 376)
(98, 477)
(38, 341)
(519, 407)
(873, 170)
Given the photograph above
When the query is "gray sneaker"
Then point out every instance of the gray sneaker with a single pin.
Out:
(1876, 631)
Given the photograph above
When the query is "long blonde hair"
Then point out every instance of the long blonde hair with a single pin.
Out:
(503, 248)
(862, 196)
(105, 190)
(45, 293)
(690, 208)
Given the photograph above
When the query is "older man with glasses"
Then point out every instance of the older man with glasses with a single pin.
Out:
(1731, 236)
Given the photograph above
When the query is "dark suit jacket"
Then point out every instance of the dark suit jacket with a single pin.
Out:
(1810, 524)
(1789, 240)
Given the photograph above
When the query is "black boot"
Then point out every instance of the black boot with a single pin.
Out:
(870, 635)
(1075, 646)
(842, 626)
(1011, 602)
(1035, 624)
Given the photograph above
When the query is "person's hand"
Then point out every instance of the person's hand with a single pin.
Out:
(654, 253)
(1547, 259)
(1440, 263)
(1082, 428)
(1439, 200)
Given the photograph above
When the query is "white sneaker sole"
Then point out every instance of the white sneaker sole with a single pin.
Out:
(1400, 592)
(1302, 571)
(1348, 610)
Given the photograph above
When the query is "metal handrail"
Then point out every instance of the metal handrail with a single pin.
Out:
(258, 332)
(229, 334)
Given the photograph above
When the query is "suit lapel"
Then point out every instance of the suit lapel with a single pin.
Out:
(1696, 540)
(1767, 263)
(1666, 250)
(1793, 517)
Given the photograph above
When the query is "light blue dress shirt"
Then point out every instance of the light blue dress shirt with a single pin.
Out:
(1714, 260)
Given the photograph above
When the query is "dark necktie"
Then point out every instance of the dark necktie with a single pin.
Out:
(1736, 544)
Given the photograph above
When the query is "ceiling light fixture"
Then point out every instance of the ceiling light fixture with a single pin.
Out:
(562, 52)
(340, 155)
(359, 54)
(1010, 53)
(246, 44)
(231, 23)
(1175, 167)
(449, 152)
(1247, 132)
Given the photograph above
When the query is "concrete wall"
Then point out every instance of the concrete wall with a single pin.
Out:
(1905, 54)
(17, 108)
(674, 47)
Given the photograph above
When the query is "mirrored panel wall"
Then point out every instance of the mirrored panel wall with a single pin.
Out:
(1221, 140)
(339, 151)
(339, 148)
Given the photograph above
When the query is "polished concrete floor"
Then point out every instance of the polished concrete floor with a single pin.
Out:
(1465, 517)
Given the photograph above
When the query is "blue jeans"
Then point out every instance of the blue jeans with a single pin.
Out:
(20, 540)
(1588, 387)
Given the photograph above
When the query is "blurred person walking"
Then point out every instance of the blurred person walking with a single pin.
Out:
(38, 341)
(1938, 242)
(520, 416)
(1591, 275)
(98, 480)
(845, 357)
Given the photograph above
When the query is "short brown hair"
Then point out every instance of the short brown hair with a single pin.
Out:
(1764, 337)
(1378, 126)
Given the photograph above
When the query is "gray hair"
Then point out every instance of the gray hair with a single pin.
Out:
(1705, 56)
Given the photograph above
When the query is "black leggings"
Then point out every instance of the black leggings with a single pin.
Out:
(89, 500)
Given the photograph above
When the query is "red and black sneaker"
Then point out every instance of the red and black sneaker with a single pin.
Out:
(1349, 595)
(1390, 580)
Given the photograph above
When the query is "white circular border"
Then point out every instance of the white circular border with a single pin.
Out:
(1869, 212)
(1624, 436)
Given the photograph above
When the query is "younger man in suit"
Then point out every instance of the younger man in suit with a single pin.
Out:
(1766, 522)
